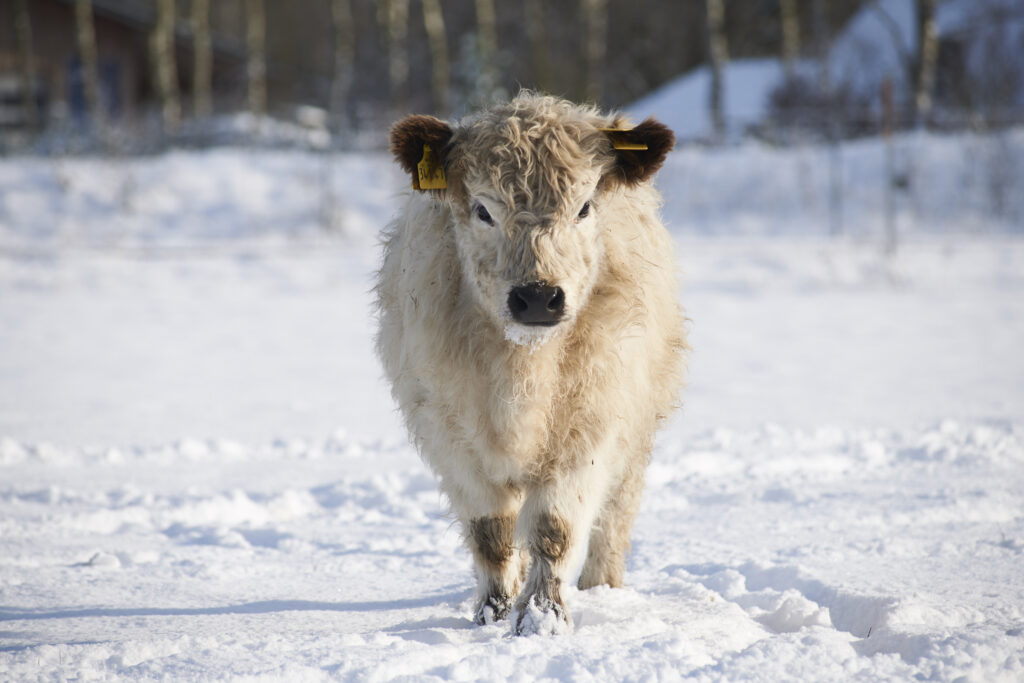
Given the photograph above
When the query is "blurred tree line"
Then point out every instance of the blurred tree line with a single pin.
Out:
(368, 60)
(448, 56)
(351, 65)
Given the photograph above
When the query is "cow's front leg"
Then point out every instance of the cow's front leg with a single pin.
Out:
(556, 520)
(487, 512)
(540, 608)
(498, 565)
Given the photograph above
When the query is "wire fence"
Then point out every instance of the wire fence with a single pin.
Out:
(876, 190)
(879, 188)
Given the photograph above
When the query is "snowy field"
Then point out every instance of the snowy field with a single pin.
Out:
(202, 476)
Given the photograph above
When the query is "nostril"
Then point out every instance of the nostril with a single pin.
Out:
(517, 302)
(557, 301)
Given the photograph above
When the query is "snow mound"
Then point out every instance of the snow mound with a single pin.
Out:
(205, 198)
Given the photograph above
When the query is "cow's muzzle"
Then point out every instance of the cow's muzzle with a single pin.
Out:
(536, 303)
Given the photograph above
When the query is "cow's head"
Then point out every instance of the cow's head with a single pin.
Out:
(525, 182)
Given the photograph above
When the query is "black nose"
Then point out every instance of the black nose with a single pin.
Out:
(536, 303)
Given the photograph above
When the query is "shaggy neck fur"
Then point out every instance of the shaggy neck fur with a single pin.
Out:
(534, 387)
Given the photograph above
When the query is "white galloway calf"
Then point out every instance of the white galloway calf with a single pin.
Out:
(530, 329)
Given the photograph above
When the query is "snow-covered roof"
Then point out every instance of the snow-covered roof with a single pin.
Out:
(873, 46)
(880, 38)
(682, 103)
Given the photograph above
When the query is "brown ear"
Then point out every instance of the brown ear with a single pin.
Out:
(633, 163)
(409, 136)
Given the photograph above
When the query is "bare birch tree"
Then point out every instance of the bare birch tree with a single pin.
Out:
(26, 57)
(595, 17)
(165, 68)
(535, 33)
(790, 21)
(433, 22)
(822, 48)
(344, 57)
(85, 34)
(487, 46)
(202, 59)
(822, 45)
(393, 18)
(927, 58)
(718, 53)
(256, 66)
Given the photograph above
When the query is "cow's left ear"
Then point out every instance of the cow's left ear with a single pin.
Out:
(420, 144)
(639, 151)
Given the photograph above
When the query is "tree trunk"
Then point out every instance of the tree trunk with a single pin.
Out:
(888, 118)
(433, 21)
(487, 45)
(165, 66)
(344, 57)
(202, 59)
(23, 28)
(534, 10)
(790, 37)
(256, 67)
(595, 17)
(718, 53)
(822, 48)
(383, 8)
(393, 15)
(86, 39)
(927, 56)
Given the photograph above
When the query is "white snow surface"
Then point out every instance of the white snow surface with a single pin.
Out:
(202, 475)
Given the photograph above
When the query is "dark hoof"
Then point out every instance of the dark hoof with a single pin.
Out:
(495, 608)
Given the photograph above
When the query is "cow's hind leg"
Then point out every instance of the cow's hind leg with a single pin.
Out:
(609, 539)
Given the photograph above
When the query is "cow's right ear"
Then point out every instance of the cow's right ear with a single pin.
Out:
(420, 145)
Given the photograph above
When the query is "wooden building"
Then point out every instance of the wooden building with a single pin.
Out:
(122, 30)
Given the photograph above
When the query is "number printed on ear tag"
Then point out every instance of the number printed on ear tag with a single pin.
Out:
(429, 173)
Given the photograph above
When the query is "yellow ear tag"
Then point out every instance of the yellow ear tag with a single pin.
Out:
(619, 140)
(429, 173)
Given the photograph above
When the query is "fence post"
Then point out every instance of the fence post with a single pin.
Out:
(890, 170)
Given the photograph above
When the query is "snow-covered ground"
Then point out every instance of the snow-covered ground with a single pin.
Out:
(202, 476)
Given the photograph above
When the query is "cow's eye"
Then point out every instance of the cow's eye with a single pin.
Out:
(482, 214)
(585, 211)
